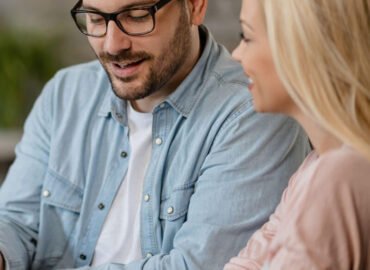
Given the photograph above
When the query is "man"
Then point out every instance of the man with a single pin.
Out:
(154, 159)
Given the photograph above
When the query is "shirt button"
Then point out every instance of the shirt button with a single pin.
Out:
(148, 255)
(123, 154)
(83, 257)
(170, 210)
(119, 115)
(158, 141)
(46, 193)
(146, 197)
(162, 105)
(101, 206)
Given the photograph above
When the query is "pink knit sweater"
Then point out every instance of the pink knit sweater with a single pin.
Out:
(322, 222)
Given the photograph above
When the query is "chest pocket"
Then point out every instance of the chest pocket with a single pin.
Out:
(61, 193)
(60, 209)
(176, 205)
(173, 213)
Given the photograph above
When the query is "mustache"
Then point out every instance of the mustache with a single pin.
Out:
(125, 56)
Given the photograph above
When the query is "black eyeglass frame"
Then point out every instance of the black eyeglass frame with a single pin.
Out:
(113, 17)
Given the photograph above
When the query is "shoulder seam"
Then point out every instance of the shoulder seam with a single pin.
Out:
(221, 81)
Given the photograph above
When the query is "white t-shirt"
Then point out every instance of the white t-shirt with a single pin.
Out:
(119, 240)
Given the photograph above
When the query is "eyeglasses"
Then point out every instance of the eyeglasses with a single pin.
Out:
(133, 21)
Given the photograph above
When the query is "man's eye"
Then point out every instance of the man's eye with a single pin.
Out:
(96, 19)
(139, 18)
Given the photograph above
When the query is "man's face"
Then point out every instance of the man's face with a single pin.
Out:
(142, 65)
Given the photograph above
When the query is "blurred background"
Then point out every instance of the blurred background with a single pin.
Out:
(39, 37)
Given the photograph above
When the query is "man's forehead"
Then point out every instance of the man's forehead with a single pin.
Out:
(114, 5)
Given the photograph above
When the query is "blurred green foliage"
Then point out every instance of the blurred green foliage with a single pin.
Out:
(27, 61)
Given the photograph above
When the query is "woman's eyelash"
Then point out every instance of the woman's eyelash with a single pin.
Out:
(242, 37)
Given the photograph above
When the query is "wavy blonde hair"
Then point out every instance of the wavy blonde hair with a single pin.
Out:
(321, 53)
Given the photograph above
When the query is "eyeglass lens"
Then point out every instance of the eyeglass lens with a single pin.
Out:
(132, 21)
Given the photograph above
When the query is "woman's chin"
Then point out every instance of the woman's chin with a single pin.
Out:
(258, 107)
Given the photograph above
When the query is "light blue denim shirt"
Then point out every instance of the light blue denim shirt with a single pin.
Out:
(214, 179)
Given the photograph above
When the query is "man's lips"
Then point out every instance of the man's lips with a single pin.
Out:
(127, 63)
(126, 69)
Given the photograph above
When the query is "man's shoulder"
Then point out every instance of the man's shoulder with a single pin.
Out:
(227, 68)
(229, 76)
(81, 71)
(225, 89)
(80, 80)
(80, 87)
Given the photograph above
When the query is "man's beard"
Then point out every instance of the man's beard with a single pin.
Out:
(161, 69)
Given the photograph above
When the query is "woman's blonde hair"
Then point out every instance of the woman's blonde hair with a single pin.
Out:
(321, 52)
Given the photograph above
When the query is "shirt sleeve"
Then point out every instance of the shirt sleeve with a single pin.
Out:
(20, 193)
(239, 185)
(255, 254)
(329, 228)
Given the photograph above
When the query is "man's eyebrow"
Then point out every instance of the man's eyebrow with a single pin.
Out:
(132, 5)
(246, 24)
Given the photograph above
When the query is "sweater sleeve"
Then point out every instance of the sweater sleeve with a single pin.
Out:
(254, 255)
(329, 229)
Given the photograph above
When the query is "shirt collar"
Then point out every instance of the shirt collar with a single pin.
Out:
(184, 97)
(188, 92)
(105, 109)
(114, 106)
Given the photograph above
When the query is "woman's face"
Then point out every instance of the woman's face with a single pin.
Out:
(255, 56)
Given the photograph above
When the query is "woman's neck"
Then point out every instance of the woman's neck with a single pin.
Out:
(321, 139)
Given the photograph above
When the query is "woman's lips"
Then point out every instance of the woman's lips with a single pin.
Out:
(250, 83)
(126, 70)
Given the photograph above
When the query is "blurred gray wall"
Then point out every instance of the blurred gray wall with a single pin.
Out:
(49, 17)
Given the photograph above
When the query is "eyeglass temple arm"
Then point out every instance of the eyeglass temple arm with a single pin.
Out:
(78, 4)
(161, 4)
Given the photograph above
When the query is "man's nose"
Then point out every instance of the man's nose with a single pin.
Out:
(116, 40)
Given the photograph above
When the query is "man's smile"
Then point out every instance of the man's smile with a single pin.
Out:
(127, 68)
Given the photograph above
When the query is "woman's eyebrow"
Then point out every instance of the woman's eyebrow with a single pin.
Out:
(244, 22)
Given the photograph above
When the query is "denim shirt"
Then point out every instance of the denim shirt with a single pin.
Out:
(216, 173)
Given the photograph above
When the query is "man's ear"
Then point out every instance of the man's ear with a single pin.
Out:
(197, 10)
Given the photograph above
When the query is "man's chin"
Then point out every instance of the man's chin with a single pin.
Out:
(137, 86)
(130, 90)
(126, 80)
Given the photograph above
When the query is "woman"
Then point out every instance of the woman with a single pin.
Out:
(310, 59)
